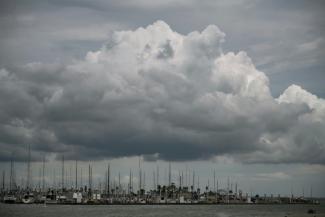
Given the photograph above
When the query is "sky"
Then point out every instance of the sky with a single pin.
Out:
(231, 86)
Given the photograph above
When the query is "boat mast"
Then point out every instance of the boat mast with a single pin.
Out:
(130, 180)
(140, 175)
(198, 181)
(169, 174)
(39, 178)
(144, 181)
(186, 183)
(236, 189)
(228, 189)
(180, 179)
(54, 178)
(119, 184)
(43, 178)
(157, 174)
(214, 180)
(70, 182)
(217, 185)
(81, 177)
(90, 177)
(28, 169)
(311, 192)
(3, 179)
(193, 180)
(154, 180)
(11, 174)
(76, 175)
(62, 181)
(108, 176)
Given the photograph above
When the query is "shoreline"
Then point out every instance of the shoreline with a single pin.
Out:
(168, 204)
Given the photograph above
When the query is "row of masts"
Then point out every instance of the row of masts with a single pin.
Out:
(64, 177)
(182, 182)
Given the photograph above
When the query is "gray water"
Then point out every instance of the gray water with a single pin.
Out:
(160, 211)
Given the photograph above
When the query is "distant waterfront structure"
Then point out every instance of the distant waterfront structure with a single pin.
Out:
(69, 191)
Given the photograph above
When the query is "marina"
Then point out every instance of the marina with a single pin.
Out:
(164, 108)
(186, 192)
(164, 196)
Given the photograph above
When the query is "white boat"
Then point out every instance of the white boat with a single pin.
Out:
(61, 198)
(9, 199)
(181, 199)
(77, 197)
(28, 198)
(41, 198)
(96, 196)
(51, 198)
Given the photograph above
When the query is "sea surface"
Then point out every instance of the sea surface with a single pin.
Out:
(34, 210)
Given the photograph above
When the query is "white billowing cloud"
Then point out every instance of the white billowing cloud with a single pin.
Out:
(296, 95)
(236, 74)
(155, 92)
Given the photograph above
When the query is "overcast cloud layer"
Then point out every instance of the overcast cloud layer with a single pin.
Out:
(161, 94)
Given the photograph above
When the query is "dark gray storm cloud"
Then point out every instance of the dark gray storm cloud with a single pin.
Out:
(161, 94)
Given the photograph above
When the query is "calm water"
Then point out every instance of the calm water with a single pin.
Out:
(163, 211)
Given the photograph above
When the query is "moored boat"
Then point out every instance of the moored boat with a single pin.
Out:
(28, 198)
(9, 199)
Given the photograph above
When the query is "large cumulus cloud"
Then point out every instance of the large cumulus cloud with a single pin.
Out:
(160, 94)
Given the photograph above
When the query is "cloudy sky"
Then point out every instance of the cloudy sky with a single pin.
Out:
(236, 86)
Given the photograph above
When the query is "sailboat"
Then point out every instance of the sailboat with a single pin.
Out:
(10, 198)
(28, 198)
